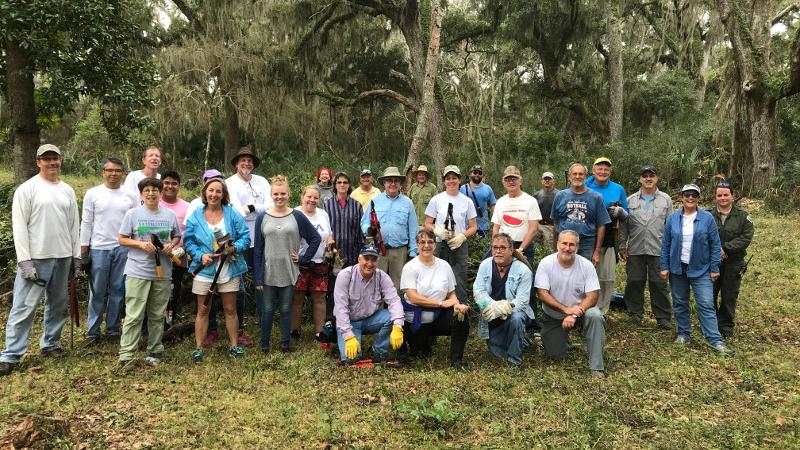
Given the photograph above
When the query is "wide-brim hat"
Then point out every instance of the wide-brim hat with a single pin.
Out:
(246, 151)
(391, 172)
(422, 168)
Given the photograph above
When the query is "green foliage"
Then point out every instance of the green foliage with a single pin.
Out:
(431, 416)
(90, 144)
(666, 97)
(783, 195)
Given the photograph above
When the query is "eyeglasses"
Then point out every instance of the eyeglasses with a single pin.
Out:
(475, 172)
(151, 191)
(342, 182)
(690, 195)
(499, 248)
(426, 242)
(510, 179)
(113, 170)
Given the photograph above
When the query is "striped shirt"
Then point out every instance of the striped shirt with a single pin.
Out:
(345, 224)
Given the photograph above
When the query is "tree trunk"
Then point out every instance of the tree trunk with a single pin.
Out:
(431, 113)
(22, 107)
(616, 80)
(231, 130)
(761, 127)
(311, 126)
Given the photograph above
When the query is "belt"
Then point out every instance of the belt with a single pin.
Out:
(395, 248)
(546, 221)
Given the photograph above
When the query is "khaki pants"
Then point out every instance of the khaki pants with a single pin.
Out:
(392, 263)
(143, 297)
(605, 273)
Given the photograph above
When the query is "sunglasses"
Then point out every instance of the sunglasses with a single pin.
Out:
(691, 195)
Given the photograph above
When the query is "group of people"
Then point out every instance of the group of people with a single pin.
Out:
(373, 262)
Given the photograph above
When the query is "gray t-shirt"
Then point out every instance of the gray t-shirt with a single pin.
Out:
(139, 224)
(282, 238)
(568, 285)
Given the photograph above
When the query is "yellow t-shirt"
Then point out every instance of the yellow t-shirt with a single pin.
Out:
(362, 197)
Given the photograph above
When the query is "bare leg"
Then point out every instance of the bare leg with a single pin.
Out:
(318, 310)
(201, 321)
(231, 318)
(297, 308)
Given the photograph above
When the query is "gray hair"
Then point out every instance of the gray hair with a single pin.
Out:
(570, 233)
(585, 169)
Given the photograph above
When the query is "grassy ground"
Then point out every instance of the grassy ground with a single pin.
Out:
(655, 395)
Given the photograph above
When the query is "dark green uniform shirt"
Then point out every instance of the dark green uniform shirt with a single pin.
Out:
(736, 233)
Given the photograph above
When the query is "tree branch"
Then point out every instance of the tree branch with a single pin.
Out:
(794, 67)
(336, 100)
(778, 17)
(190, 14)
(405, 79)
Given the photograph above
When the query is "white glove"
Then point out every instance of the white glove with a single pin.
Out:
(504, 308)
(442, 234)
(457, 241)
(617, 212)
(490, 312)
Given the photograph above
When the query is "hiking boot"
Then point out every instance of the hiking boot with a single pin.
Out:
(682, 340)
(242, 339)
(635, 319)
(235, 352)
(91, 341)
(54, 352)
(458, 365)
(128, 365)
(211, 336)
(197, 355)
(153, 359)
(295, 335)
(287, 349)
(664, 324)
(722, 349)
(7, 367)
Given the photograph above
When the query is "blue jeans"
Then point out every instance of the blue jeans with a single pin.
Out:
(586, 247)
(379, 324)
(508, 339)
(55, 271)
(272, 296)
(703, 289)
(108, 267)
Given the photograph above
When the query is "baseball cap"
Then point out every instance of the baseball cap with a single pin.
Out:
(451, 168)
(366, 172)
(602, 160)
(690, 187)
(548, 175)
(648, 169)
(47, 148)
(511, 171)
(477, 168)
(369, 250)
(212, 173)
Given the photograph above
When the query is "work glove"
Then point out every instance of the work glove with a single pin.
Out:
(490, 312)
(75, 268)
(396, 338)
(456, 241)
(504, 308)
(351, 347)
(28, 270)
(617, 212)
(442, 234)
(460, 316)
(229, 249)
(86, 262)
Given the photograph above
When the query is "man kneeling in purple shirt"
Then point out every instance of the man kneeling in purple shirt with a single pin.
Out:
(359, 295)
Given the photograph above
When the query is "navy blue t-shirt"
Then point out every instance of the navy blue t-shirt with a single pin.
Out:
(582, 213)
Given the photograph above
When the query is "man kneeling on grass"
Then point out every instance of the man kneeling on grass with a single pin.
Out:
(502, 292)
(359, 295)
(150, 232)
(568, 287)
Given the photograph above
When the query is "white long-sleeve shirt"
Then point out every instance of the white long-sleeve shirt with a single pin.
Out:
(45, 221)
(256, 192)
(103, 210)
(132, 184)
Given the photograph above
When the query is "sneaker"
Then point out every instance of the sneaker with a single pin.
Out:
(211, 336)
(295, 335)
(722, 349)
(287, 349)
(197, 355)
(242, 339)
(6, 367)
(153, 359)
(54, 352)
(682, 340)
(235, 352)
(458, 365)
(598, 374)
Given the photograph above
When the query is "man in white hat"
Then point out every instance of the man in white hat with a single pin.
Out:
(365, 190)
(46, 227)
(398, 224)
(421, 192)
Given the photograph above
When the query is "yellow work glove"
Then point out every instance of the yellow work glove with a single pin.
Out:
(396, 338)
(351, 347)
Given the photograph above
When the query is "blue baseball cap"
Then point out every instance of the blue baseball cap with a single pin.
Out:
(369, 250)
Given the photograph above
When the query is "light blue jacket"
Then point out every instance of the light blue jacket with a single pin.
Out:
(518, 290)
(398, 220)
(705, 256)
(198, 240)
